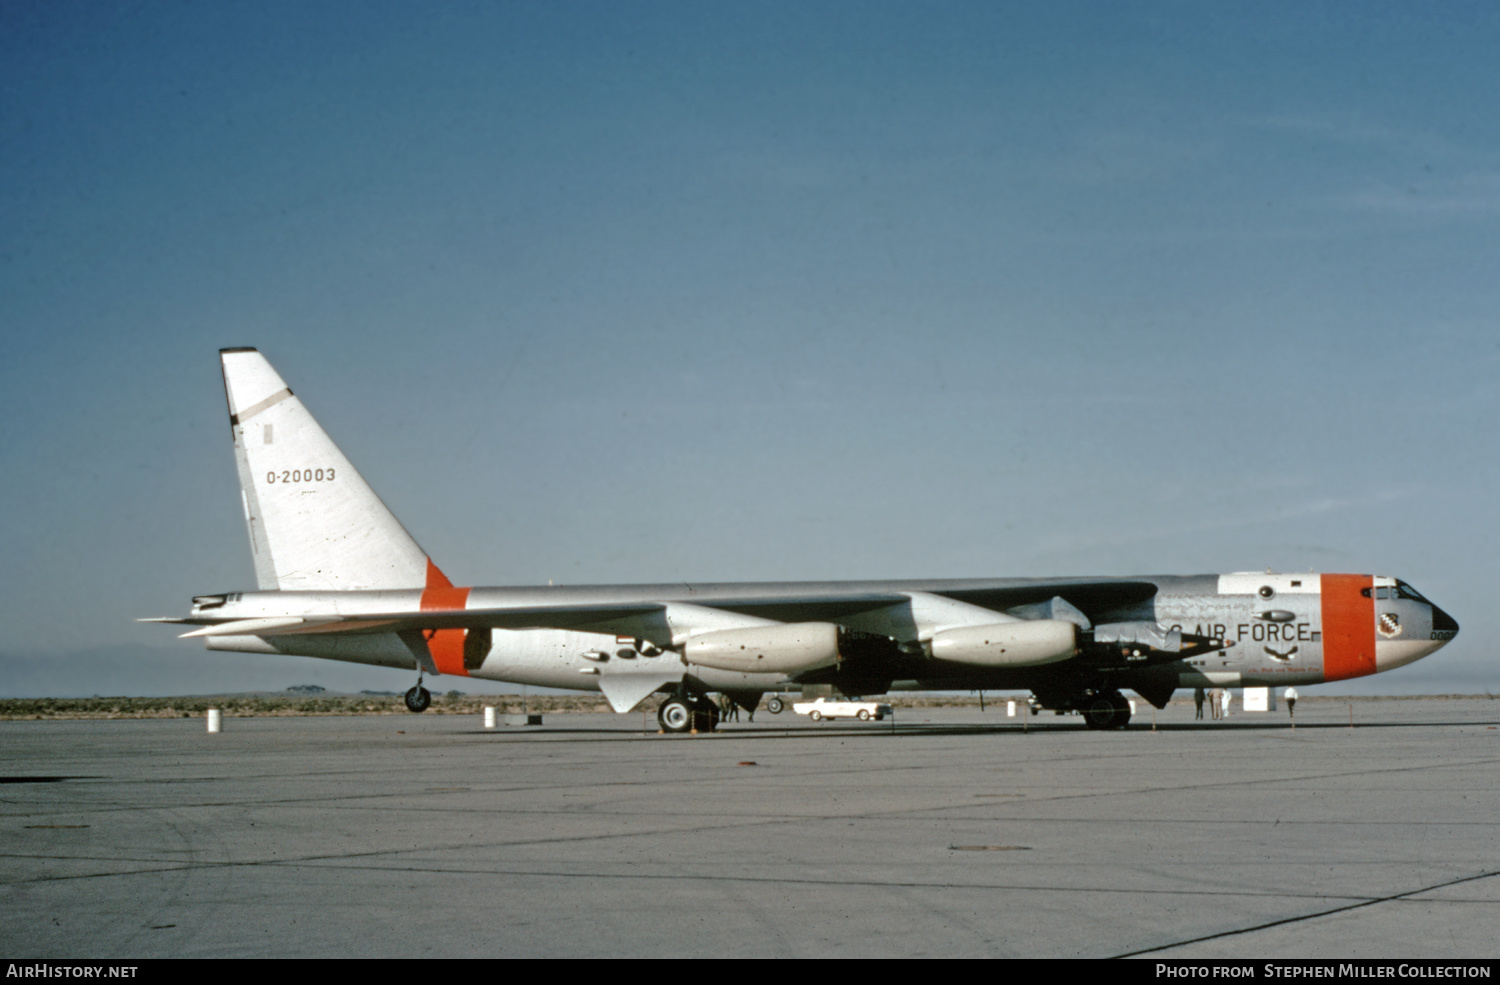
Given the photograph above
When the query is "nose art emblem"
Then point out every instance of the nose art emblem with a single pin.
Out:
(1390, 625)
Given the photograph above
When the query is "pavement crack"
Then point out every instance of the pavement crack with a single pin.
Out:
(1310, 916)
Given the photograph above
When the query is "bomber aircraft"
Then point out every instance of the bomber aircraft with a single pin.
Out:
(339, 577)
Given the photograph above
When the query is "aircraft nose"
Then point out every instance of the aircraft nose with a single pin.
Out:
(1393, 653)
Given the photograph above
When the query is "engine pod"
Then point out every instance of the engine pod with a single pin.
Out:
(1029, 643)
(775, 649)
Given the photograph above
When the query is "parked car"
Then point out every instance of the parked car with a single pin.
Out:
(821, 708)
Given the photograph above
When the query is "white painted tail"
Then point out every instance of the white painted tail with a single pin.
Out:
(315, 524)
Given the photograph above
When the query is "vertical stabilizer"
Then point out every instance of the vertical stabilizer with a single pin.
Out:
(315, 525)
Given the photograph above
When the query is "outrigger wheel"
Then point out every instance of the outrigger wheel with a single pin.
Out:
(1109, 710)
(418, 698)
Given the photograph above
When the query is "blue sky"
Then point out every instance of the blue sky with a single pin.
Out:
(654, 292)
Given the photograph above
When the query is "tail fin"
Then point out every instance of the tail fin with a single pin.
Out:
(315, 525)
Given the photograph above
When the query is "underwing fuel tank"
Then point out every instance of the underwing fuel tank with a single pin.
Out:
(1030, 643)
(776, 649)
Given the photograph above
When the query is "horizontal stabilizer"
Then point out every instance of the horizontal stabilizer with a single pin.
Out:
(250, 627)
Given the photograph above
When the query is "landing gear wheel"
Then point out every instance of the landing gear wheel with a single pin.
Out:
(1107, 711)
(418, 698)
(776, 706)
(674, 715)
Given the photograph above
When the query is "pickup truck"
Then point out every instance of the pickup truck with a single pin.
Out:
(821, 708)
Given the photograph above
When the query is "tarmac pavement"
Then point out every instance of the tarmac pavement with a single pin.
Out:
(947, 833)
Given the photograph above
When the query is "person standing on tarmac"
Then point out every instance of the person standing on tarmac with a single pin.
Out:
(1198, 702)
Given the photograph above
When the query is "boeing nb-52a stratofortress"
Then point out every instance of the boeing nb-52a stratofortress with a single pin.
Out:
(338, 577)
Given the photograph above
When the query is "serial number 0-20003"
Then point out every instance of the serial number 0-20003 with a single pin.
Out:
(300, 475)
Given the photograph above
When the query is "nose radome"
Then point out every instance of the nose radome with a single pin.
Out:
(1444, 626)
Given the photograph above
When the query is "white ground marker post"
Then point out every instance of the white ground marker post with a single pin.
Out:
(489, 716)
(215, 720)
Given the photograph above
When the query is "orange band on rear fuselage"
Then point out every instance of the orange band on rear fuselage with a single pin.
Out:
(1348, 627)
(445, 645)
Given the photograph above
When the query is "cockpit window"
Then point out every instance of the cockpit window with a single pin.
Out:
(1405, 591)
(1401, 591)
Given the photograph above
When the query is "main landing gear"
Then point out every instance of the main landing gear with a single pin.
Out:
(685, 712)
(1104, 710)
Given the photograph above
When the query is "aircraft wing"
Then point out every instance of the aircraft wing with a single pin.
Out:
(598, 617)
(1090, 597)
